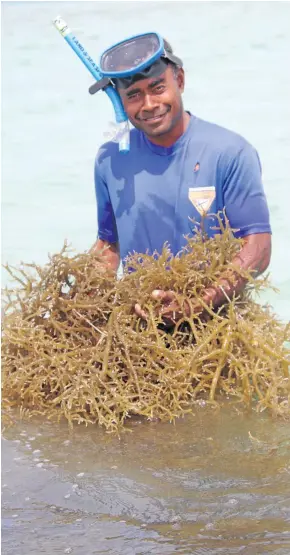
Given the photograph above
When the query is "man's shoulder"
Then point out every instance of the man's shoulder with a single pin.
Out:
(220, 138)
(110, 149)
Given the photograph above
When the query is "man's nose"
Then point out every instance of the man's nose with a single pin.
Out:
(149, 103)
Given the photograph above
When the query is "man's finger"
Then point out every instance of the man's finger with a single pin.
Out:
(171, 313)
(158, 294)
(140, 312)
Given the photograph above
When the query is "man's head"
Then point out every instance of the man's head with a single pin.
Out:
(152, 99)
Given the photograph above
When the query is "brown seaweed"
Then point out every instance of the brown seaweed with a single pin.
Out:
(73, 347)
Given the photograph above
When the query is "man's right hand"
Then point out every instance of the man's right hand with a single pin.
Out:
(108, 252)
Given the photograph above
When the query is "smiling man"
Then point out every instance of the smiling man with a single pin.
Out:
(180, 168)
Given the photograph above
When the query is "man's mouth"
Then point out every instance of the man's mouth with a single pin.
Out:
(154, 118)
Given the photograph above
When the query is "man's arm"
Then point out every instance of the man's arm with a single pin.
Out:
(107, 244)
(109, 253)
(247, 212)
(255, 255)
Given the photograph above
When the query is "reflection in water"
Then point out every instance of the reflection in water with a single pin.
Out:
(203, 485)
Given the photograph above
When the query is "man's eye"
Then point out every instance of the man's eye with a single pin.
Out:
(159, 89)
(133, 96)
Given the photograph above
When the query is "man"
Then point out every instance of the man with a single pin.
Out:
(179, 168)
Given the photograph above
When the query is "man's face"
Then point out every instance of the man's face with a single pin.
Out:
(155, 105)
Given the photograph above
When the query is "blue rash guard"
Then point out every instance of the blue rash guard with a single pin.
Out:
(151, 195)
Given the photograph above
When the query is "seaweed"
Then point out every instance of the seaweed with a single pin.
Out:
(73, 347)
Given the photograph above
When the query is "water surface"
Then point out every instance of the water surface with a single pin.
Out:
(202, 486)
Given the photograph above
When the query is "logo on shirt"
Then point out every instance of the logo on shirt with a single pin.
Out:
(202, 198)
(196, 167)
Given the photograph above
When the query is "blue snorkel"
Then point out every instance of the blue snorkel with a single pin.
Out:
(104, 83)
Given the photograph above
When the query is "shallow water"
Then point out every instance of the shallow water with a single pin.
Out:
(202, 486)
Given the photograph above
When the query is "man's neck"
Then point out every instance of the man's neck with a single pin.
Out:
(170, 138)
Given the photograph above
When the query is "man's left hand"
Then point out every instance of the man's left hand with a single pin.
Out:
(170, 310)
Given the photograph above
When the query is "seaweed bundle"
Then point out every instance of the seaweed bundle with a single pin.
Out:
(73, 347)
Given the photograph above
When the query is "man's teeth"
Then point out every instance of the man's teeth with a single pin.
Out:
(154, 117)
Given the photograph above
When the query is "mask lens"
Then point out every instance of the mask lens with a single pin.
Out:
(130, 53)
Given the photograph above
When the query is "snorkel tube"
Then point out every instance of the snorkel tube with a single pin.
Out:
(123, 132)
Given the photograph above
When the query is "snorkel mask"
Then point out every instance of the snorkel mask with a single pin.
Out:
(139, 57)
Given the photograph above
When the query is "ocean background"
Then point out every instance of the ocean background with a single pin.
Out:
(201, 486)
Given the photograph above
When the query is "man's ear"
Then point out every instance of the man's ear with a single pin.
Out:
(180, 79)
